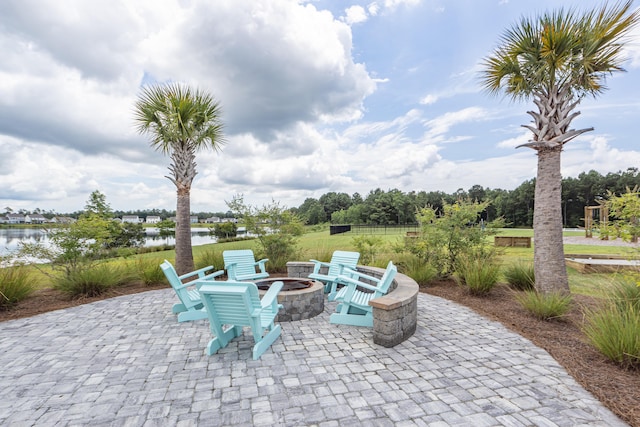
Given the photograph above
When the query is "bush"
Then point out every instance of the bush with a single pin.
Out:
(279, 249)
(545, 306)
(419, 270)
(15, 286)
(149, 271)
(478, 272)
(91, 280)
(369, 247)
(615, 331)
(520, 276)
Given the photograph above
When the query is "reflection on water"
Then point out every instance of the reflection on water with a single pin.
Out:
(11, 237)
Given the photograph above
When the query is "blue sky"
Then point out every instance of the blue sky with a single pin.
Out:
(317, 96)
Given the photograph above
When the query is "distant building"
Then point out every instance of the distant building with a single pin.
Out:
(63, 220)
(193, 219)
(212, 220)
(152, 219)
(234, 220)
(35, 219)
(131, 218)
(15, 218)
(3, 219)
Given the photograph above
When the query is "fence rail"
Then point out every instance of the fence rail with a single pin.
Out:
(374, 229)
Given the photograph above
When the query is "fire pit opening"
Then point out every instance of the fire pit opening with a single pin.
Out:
(290, 284)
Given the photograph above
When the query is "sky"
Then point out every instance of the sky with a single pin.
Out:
(317, 96)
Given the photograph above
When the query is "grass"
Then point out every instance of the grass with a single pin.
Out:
(544, 306)
(520, 276)
(479, 274)
(15, 285)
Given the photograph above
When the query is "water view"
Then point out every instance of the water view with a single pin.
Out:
(10, 238)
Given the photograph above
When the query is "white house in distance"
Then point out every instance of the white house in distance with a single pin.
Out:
(131, 218)
(35, 219)
(152, 219)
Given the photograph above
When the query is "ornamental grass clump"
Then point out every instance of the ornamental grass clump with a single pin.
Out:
(614, 328)
(209, 257)
(545, 306)
(92, 280)
(419, 270)
(15, 286)
(520, 276)
(149, 271)
(479, 272)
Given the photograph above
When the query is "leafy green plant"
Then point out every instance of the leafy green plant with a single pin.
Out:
(15, 286)
(279, 249)
(545, 306)
(478, 272)
(520, 276)
(91, 280)
(368, 246)
(615, 331)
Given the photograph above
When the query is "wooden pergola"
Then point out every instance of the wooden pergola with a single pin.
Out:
(602, 215)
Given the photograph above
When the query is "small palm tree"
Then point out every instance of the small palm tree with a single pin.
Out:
(556, 60)
(181, 121)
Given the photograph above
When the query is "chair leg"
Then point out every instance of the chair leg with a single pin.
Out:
(352, 319)
(178, 308)
(266, 342)
(223, 339)
(192, 315)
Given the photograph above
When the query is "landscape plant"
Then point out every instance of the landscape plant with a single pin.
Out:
(181, 121)
(277, 229)
(15, 285)
(556, 60)
(93, 280)
(416, 268)
(520, 276)
(545, 306)
(149, 272)
(369, 247)
(477, 271)
(210, 257)
(625, 212)
(450, 233)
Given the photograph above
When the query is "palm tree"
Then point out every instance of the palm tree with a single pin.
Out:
(181, 121)
(556, 60)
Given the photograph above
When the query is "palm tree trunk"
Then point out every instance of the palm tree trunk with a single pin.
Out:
(549, 263)
(184, 254)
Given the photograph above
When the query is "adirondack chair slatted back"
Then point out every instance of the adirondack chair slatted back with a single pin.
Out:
(241, 265)
(233, 304)
(175, 282)
(387, 278)
(348, 259)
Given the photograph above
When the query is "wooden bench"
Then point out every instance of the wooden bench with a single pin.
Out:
(512, 241)
(395, 315)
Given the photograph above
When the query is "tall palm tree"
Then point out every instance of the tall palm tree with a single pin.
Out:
(556, 60)
(180, 121)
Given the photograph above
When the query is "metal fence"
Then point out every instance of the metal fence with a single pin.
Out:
(374, 229)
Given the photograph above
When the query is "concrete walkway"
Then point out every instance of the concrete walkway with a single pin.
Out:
(127, 362)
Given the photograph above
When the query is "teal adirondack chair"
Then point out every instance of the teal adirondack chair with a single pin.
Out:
(241, 265)
(190, 306)
(237, 304)
(339, 260)
(353, 308)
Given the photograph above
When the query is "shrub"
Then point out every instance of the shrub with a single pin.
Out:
(520, 276)
(279, 249)
(478, 272)
(15, 286)
(149, 271)
(369, 247)
(615, 331)
(91, 281)
(545, 306)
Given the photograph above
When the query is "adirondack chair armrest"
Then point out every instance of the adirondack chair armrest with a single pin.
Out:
(205, 279)
(318, 265)
(198, 273)
(353, 273)
(261, 264)
(271, 297)
(345, 280)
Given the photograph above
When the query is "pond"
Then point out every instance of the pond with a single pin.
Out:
(10, 238)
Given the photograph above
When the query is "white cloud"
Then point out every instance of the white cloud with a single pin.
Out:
(429, 99)
(355, 15)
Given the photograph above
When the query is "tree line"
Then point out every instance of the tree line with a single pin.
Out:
(514, 206)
